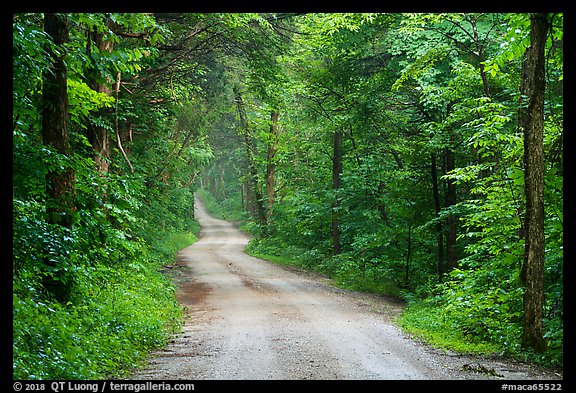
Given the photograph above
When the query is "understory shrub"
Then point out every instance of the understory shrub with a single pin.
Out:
(119, 315)
(120, 305)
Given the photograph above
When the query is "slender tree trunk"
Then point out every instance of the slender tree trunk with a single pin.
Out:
(271, 164)
(248, 198)
(250, 152)
(480, 53)
(451, 234)
(212, 184)
(533, 267)
(439, 231)
(408, 255)
(336, 173)
(222, 181)
(242, 197)
(97, 134)
(380, 203)
(59, 183)
(118, 138)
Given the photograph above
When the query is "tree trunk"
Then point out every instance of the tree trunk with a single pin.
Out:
(97, 134)
(408, 255)
(247, 196)
(212, 184)
(451, 235)
(254, 187)
(439, 231)
(59, 183)
(336, 172)
(480, 54)
(380, 203)
(271, 164)
(222, 181)
(533, 267)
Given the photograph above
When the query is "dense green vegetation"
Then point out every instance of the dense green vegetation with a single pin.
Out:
(387, 151)
(89, 299)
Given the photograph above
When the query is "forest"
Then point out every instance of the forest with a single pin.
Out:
(413, 155)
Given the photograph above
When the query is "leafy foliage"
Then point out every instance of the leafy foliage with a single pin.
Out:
(121, 305)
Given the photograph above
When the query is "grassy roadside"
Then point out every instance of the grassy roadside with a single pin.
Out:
(428, 324)
(118, 315)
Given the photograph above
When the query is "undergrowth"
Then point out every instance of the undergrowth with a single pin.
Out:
(107, 331)
(437, 322)
(117, 315)
(120, 305)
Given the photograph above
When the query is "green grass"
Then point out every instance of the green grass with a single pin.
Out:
(281, 260)
(166, 248)
(429, 324)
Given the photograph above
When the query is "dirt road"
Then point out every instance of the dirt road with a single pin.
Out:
(251, 319)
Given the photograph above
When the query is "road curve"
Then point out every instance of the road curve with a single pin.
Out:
(251, 319)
